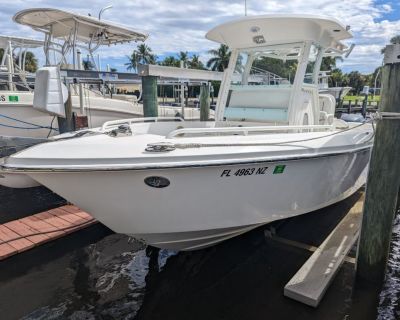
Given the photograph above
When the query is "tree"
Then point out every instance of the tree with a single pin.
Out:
(337, 78)
(87, 64)
(285, 69)
(30, 61)
(220, 59)
(329, 63)
(356, 81)
(170, 61)
(195, 62)
(141, 55)
(183, 56)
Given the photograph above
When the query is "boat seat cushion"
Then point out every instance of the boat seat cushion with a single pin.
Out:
(258, 102)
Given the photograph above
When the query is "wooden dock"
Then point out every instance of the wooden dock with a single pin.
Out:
(26, 233)
(310, 283)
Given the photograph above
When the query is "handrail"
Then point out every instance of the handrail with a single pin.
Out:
(113, 123)
(245, 130)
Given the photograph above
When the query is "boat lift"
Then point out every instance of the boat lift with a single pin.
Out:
(313, 279)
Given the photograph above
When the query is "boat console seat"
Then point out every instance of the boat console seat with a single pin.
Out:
(258, 102)
(327, 105)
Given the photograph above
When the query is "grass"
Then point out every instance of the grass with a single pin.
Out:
(361, 98)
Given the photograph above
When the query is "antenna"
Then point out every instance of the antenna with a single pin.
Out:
(104, 9)
(245, 7)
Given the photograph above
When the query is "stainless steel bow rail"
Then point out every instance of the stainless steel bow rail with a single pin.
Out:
(247, 130)
(116, 123)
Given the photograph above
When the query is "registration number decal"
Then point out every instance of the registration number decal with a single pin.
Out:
(243, 172)
(10, 98)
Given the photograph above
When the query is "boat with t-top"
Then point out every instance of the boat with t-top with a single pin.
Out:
(274, 151)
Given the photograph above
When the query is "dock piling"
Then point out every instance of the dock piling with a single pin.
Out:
(204, 102)
(150, 104)
(67, 124)
(383, 185)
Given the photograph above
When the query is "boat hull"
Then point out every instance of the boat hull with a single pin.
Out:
(205, 205)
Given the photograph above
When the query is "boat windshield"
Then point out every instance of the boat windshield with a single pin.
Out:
(263, 81)
(273, 65)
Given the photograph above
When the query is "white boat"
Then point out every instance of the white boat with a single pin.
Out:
(65, 33)
(274, 151)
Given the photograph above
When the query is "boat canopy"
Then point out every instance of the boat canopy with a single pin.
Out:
(66, 33)
(20, 42)
(258, 31)
(60, 24)
(291, 47)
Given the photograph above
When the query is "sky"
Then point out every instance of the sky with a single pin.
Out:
(180, 25)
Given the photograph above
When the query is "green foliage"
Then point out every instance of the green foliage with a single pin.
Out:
(285, 69)
(361, 98)
(170, 61)
(31, 63)
(220, 59)
(329, 63)
(141, 55)
(87, 64)
(195, 63)
(191, 63)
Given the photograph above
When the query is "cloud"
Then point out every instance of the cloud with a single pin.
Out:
(180, 25)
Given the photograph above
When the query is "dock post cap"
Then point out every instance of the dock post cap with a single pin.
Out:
(392, 54)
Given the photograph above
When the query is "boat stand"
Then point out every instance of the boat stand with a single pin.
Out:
(312, 280)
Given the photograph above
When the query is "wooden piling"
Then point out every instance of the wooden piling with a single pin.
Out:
(204, 102)
(150, 104)
(66, 124)
(383, 185)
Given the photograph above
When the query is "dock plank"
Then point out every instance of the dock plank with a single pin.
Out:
(53, 220)
(70, 217)
(77, 211)
(310, 283)
(6, 251)
(39, 224)
(19, 245)
(26, 233)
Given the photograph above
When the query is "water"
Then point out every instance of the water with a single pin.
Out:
(96, 274)
(389, 298)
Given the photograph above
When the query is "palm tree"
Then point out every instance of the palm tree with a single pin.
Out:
(142, 55)
(195, 62)
(170, 61)
(183, 56)
(145, 54)
(30, 61)
(87, 64)
(133, 61)
(220, 60)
